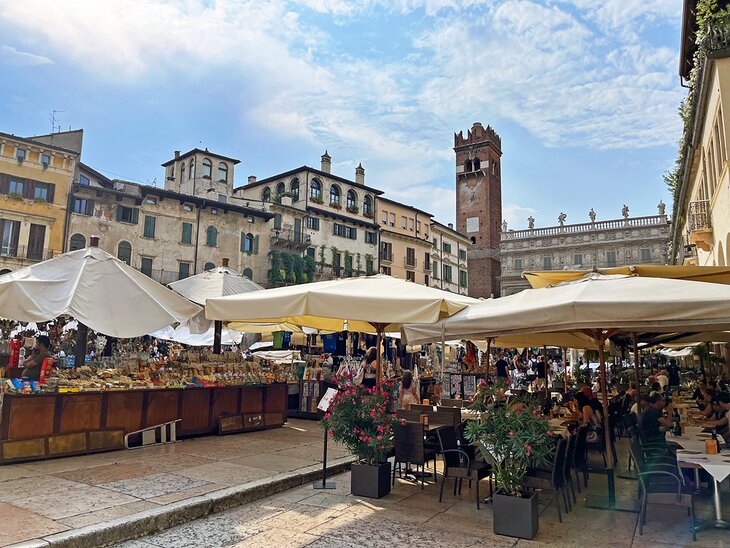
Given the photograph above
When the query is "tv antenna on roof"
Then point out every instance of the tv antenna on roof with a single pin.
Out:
(52, 119)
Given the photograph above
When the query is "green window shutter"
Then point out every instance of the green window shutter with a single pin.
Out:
(435, 268)
(135, 215)
(256, 245)
(149, 226)
(187, 233)
(119, 213)
(243, 242)
(277, 221)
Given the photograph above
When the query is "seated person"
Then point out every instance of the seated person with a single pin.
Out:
(640, 405)
(582, 409)
(655, 388)
(653, 422)
(720, 417)
(32, 365)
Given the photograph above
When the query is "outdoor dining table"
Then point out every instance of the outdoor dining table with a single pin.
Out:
(692, 451)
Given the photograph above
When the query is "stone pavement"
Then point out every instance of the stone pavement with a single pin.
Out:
(412, 517)
(57, 498)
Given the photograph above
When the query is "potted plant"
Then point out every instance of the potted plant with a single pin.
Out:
(514, 438)
(353, 209)
(316, 200)
(359, 419)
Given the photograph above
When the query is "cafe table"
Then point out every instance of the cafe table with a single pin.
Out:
(692, 451)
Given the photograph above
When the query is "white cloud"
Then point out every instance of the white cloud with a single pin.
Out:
(516, 215)
(9, 56)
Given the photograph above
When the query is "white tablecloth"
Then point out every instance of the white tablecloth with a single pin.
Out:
(693, 451)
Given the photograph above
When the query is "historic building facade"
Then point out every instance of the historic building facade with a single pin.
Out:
(334, 218)
(405, 244)
(479, 205)
(166, 234)
(616, 242)
(701, 234)
(35, 176)
(449, 259)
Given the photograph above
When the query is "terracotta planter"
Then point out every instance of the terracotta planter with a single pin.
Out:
(516, 516)
(372, 481)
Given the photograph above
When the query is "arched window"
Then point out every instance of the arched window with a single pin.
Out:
(77, 242)
(280, 189)
(124, 252)
(211, 236)
(182, 172)
(294, 189)
(315, 190)
(477, 164)
(266, 194)
(222, 171)
(334, 195)
(467, 166)
(209, 266)
(367, 206)
(191, 174)
(248, 273)
(351, 199)
(207, 168)
(248, 243)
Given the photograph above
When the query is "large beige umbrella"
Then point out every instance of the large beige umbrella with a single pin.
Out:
(596, 305)
(366, 304)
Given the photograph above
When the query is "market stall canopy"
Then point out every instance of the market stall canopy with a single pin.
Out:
(363, 302)
(216, 282)
(97, 289)
(711, 274)
(182, 335)
(596, 301)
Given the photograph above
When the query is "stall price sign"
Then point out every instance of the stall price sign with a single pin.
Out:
(326, 401)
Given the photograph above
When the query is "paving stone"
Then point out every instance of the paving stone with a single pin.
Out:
(155, 485)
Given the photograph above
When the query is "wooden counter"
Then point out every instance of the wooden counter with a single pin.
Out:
(40, 426)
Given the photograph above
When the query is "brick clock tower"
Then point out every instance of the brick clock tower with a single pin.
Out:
(479, 205)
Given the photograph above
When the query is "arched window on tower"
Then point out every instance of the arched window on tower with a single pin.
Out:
(191, 175)
(223, 172)
(315, 190)
(182, 172)
(207, 168)
(477, 164)
(295, 190)
(467, 166)
(280, 189)
(266, 195)
(334, 195)
(367, 206)
(351, 200)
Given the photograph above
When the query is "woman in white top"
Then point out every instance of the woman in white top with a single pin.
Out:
(369, 367)
(407, 393)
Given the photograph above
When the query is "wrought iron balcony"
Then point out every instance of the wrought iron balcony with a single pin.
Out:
(386, 257)
(289, 238)
(410, 262)
(25, 252)
(700, 224)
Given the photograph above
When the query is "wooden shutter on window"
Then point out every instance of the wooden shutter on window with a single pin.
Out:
(256, 245)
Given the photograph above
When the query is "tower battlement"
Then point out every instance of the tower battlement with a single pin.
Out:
(478, 134)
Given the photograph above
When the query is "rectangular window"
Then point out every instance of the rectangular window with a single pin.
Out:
(386, 270)
(42, 191)
(410, 256)
(646, 254)
(462, 254)
(369, 266)
(518, 264)
(547, 263)
(146, 266)
(392, 219)
(418, 227)
(312, 223)
(410, 224)
(20, 154)
(277, 221)
(344, 231)
(386, 251)
(16, 186)
(462, 278)
(404, 222)
(310, 252)
(222, 198)
(426, 280)
(447, 248)
(150, 200)
(447, 273)
(187, 233)
(435, 270)
(610, 258)
(84, 180)
(578, 259)
(149, 226)
(183, 271)
(427, 261)
(82, 206)
(411, 275)
(45, 159)
(127, 214)
(214, 211)
(187, 207)
(385, 217)
(338, 229)
(371, 237)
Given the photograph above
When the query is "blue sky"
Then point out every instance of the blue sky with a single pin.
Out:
(584, 93)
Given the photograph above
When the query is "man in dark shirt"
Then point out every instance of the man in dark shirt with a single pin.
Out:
(653, 419)
(502, 369)
(673, 371)
(32, 365)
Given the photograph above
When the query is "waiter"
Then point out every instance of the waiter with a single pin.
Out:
(32, 366)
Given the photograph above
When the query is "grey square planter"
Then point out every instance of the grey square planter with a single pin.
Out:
(516, 516)
(372, 481)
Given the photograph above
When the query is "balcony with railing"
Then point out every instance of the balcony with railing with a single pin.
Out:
(26, 253)
(288, 238)
(699, 223)
(409, 262)
(386, 257)
(598, 226)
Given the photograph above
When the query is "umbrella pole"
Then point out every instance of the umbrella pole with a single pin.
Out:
(82, 334)
(545, 365)
(636, 367)
(217, 329)
(604, 395)
(565, 370)
(378, 363)
(489, 357)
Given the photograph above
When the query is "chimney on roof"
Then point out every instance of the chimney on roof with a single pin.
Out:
(451, 226)
(177, 154)
(251, 179)
(360, 174)
(225, 261)
(326, 163)
(94, 241)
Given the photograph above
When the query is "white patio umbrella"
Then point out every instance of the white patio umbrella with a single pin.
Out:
(596, 305)
(216, 282)
(368, 304)
(183, 335)
(98, 290)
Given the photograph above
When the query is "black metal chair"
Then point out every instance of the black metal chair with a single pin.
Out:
(408, 415)
(663, 484)
(452, 403)
(453, 412)
(569, 459)
(580, 464)
(553, 480)
(459, 466)
(411, 448)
